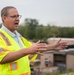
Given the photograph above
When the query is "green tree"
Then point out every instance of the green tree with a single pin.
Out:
(31, 25)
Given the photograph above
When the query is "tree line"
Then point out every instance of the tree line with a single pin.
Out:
(32, 30)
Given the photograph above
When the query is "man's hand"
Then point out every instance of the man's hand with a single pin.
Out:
(59, 45)
(38, 47)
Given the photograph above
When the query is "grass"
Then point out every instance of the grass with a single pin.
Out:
(60, 72)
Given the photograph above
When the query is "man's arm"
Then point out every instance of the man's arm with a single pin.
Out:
(12, 56)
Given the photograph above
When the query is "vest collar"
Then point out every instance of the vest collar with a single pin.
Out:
(9, 32)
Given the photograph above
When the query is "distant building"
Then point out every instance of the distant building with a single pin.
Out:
(56, 58)
(63, 59)
(70, 41)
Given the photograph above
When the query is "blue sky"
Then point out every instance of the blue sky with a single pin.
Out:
(54, 12)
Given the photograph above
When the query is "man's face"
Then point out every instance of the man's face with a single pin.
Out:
(11, 21)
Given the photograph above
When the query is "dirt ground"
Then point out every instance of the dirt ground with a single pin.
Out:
(68, 73)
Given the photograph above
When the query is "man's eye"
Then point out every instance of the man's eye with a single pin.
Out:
(16, 16)
(13, 16)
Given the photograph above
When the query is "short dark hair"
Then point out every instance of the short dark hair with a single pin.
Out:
(4, 11)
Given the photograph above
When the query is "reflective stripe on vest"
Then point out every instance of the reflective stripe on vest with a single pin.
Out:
(27, 73)
(13, 65)
(30, 56)
(2, 50)
(5, 39)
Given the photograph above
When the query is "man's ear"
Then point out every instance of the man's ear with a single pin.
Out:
(3, 18)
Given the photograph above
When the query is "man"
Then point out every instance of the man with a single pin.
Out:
(14, 49)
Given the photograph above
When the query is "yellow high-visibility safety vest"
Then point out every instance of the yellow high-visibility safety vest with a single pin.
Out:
(18, 67)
